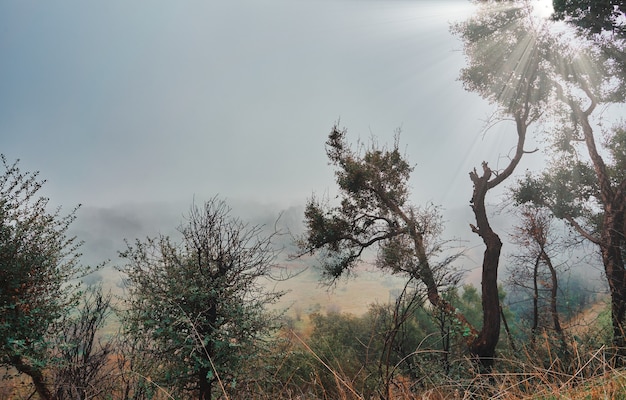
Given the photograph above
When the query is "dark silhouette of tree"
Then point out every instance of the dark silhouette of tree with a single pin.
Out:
(200, 302)
(37, 262)
(504, 48)
(593, 16)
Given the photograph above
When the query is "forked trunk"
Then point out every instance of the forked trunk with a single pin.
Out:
(484, 346)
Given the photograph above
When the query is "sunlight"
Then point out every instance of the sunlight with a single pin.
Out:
(505, 37)
(510, 50)
(543, 8)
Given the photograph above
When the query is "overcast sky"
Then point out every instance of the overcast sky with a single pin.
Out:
(123, 103)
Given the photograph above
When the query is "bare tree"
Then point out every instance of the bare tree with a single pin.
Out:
(83, 369)
(537, 247)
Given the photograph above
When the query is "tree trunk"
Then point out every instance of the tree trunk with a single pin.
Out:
(554, 291)
(611, 249)
(612, 235)
(424, 271)
(533, 329)
(484, 346)
(204, 384)
(36, 375)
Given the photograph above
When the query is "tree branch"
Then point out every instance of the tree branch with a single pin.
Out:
(581, 231)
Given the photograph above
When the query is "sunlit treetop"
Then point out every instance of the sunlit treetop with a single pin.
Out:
(506, 48)
(535, 67)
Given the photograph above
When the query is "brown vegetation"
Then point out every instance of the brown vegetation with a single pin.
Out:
(589, 377)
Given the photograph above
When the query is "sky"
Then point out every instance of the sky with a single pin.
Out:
(136, 109)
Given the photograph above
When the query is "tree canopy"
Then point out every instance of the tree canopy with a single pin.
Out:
(200, 303)
(593, 16)
(584, 183)
(37, 262)
(375, 213)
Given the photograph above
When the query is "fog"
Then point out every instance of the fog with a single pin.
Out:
(136, 111)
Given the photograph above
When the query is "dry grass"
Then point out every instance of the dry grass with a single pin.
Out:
(540, 385)
(537, 374)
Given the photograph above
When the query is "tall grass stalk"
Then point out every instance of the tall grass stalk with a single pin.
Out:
(332, 371)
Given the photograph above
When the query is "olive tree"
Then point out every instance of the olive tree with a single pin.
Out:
(201, 302)
(37, 262)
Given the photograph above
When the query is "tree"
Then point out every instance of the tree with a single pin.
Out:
(505, 50)
(572, 191)
(201, 302)
(375, 213)
(585, 183)
(37, 262)
(537, 245)
(593, 16)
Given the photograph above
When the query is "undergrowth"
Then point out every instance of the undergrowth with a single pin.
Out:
(537, 373)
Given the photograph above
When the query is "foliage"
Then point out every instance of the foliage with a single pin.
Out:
(505, 52)
(593, 16)
(505, 49)
(584, 183)
(404, 344)
(374, 213)
(374, 210)
(37, 261)
(201, 303)
(346, 345)
(568, 188)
